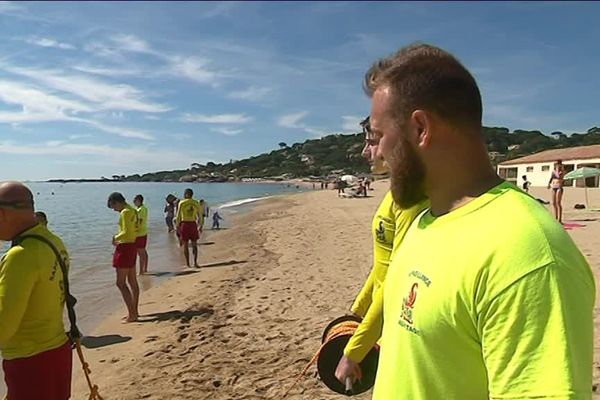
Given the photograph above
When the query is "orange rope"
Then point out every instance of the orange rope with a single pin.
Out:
(94, 395)
(341, 329)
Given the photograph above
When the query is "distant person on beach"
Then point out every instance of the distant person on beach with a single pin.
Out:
(170, 212)
(466, 317)
(202, 211)
(216, 218)
(388, 228)
(526, 184)
(124, 258)
(141, 239)
(556, 182)
(41, 218)
(189, 215)
(36, 351)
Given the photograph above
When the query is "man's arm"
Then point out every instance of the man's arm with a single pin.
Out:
(537, 336)
(18, 274)
(365, 296)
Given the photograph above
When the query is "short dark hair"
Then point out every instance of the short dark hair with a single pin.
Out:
(115, 197)
(41, 215)
(139, 197)
(426, 77)
(189, 192)
(524, 176)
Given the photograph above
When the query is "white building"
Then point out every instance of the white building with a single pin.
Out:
(538, 167)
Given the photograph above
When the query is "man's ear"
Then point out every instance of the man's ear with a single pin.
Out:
(421, 125)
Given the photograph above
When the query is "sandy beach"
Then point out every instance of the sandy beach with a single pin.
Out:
(245, 325)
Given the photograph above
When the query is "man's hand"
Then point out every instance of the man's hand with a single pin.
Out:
(348, 369)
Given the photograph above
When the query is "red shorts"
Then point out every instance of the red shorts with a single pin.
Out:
(188, 230)
(44, 376)
(140, 241)
(125, 255)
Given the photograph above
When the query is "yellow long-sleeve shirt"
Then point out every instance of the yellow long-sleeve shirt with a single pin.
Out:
(127, 225)
(32, 297)
(389, 227)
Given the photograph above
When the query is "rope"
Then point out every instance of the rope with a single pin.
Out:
(94, 395)
(341, 329)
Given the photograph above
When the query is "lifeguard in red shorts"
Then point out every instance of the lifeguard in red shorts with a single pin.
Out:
(189, 214)
(142, 232)
(35, 350)
(125, 254)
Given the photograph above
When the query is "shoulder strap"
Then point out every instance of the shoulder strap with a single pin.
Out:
(70, 300)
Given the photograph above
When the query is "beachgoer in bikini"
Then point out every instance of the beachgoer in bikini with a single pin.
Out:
(556, 184)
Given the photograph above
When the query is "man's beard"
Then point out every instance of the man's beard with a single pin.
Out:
(408, 175)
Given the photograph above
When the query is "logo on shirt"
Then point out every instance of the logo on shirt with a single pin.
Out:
(380, 232)
(408, 304)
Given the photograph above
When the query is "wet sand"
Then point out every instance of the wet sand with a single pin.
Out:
(245, 325)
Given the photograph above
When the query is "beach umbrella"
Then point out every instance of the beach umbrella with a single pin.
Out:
(350, 179)
(582, 173)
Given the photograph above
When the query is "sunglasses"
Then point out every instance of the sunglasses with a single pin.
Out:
(16, 205)
(370, 138)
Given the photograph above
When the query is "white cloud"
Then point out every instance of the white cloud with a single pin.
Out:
(292, 120)
(227, 131)
(36, 105)
(110, 154)
(217, 119)
(193, 68)
(151, 117)
(253, 93)
(107, 71)
(105, 95)
(8, 7)
(82, 136)
(215, 9)
(351, 123)
(117, 130)
(47, 42)
(131, 43)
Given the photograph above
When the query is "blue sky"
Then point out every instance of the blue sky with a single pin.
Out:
(95, 89)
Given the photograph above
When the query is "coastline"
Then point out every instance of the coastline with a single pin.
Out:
(245, 325)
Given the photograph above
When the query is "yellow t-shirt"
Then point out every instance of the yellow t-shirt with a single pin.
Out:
(142, 220)
(490, 301)
(389, 227)
(127, 225)
(32, 297)
(188, 210)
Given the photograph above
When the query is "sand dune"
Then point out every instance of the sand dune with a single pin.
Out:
(246, 324)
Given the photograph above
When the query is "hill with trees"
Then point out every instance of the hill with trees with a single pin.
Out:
(341, 154)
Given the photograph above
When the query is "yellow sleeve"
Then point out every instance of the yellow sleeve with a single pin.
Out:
(18, 276)
(127, 226)
(364, 298)
(179, 216)
(368, 332)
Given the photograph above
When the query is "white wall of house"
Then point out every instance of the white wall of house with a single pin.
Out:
(539, 173)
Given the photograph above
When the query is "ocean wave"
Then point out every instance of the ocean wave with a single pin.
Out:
(241, 202)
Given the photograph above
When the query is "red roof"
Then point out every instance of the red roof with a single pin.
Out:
(569, 153)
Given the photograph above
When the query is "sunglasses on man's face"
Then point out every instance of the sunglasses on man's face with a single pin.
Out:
(371, 139)
(15, 205)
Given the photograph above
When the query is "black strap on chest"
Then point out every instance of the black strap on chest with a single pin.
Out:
(70, 300)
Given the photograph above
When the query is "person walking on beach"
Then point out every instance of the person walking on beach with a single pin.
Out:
(141, 239)
(557, 179)
(216, 218)
(487, 297)
(124, 258)
(170, 212)
(36, 351)
(188, 220)
(526, 184)
(388, 228)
